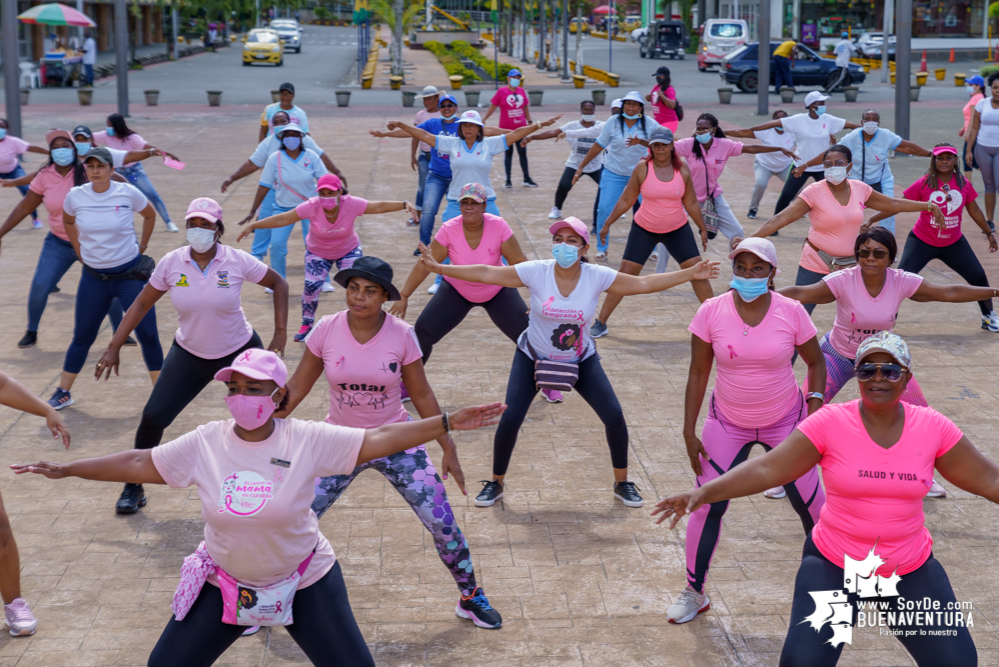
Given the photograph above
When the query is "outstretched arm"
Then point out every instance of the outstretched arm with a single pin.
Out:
(764, 126)
(891, 206)
(625, 285)
(953, 293)
(415, 132)
(375, 207)
(504, 276)
(278, 220)
(134, 466)
(817, 293)
(911, 149)
(797, 210)
(968, 469)
(521, 132)
(244, 170)
(752, 150)
(15, 395)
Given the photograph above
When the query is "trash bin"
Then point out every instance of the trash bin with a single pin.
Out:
(342, 98)
(535, 97)
(724, 95)
(395, 82)
(786, 94)
(578, 80)
(408, 97)
(152, 97)
(599, 96)
(84, 95)
(471, 98)
(275, 96)
(214, 97)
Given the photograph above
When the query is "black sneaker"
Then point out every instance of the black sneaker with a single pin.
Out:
(490, 493)
(752, 213)
(132, 498)
(777, 233)
(627, 493)
(60, 399)
(992, 225)
(417, 253)
(55, 290)
(528, 183)
(508, 184)
(130, 342)
(477, 609)
(29, 339)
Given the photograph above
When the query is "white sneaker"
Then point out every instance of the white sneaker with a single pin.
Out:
(172, 227)
(328, 287)
(990, 322)
(268, 290)
(19, 618)
(937, 490)
(775, 493)
(690, 604)
(433, 288)
(555, 213)
(601, 256)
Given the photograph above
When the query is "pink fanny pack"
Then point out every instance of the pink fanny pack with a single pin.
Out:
(268, 605)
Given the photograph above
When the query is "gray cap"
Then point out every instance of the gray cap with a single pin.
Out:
(99, 153)
(661, 135)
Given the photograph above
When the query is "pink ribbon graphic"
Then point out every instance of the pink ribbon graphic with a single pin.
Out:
(731, 353)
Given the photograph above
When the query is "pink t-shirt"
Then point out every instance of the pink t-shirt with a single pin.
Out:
(332, 240)
(210, 318)
(873, 494)
(10, 148)
(663, 114)
(365, 380)
(834, 226)
(953, 209)
(132, 142)
(714, 161)
(259, 523)
(422, 116)
(511, 103)
(495, 232)
(859, 315)
(970, 107)
(53, 188)
(754, 357)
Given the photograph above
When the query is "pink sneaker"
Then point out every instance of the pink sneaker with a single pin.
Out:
(19, 618)
(303, 333)
(553, 396)
(252, 630)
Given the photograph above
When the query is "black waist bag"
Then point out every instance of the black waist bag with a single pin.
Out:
(141, 271)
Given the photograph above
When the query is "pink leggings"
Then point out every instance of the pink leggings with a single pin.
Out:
(729, 445)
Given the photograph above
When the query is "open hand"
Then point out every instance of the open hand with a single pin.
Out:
(225, 184)
(705, 270)
(704, 239)
(57, 427)
(398, 308)
(790, 154)
(278, 343)
(476, 416)
(938, 217)
(50, 470)
(428, 260)
(993, 246)
(575, 179)
(7, 183)
(633, 141)
(409, 208)
(798, 171)
(245, 231)
(695, 450)
(736, 240)
(560, 135)
(414, 163)
(377, 133)
(676, 506)
(550, 121)
(107, 363)
(451, 466)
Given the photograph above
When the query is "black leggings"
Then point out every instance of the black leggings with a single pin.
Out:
(508, 160)
(805, 647)
(565, 184)
(792, 186)
(448, 308)
(183, 377)
(958, 256)
(592, 385)
(324, 629)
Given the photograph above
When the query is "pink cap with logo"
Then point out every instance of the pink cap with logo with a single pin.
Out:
(573, 223)
(762, 248)
(331, 181)
(257, 364)
(204, 207)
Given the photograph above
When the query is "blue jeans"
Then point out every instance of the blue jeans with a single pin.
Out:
(611, 187)
(278, 241)
(54, 261)
(782, 73)
(434, 190)
(136, 175)
(23, 189)
(89, 71)
(423, 167)
(887, 188)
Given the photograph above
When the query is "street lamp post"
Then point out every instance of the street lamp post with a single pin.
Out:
(565, 42)
(903, 60)
(121, 54)
(11, 71)
(763, 71)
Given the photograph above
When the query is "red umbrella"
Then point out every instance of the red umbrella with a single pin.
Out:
(602, 9)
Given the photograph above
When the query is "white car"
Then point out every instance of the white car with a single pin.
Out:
(290, 32)
(638, 34)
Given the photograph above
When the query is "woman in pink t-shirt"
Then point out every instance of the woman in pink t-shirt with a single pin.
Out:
(254, 474)
(11, 150)
(332, 238)
(751, 334)
(367, 355)
(515, 113)
(877, 457)
(663, 100)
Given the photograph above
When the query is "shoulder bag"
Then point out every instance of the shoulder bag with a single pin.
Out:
(709, 210)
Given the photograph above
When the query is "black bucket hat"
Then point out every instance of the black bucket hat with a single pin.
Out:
(376, 270)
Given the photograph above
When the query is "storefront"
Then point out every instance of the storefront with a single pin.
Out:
(931, 18)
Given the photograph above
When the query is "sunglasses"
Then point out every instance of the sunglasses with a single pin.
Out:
(890, 372)
(879, 253)
(448, 106)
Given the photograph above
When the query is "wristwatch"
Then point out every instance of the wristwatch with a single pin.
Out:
(816, 394)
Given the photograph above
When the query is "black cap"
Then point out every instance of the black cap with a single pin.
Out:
(376, 270)
(84, 130)
(99, 153)
(287, 86)
(662, 71)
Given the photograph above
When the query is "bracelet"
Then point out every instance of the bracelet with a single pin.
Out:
(446, 423)
(815, 394)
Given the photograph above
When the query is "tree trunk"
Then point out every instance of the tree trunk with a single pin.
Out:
(579, 39)
(397, 8)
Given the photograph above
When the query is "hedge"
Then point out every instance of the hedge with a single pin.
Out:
(465, 49)
(988, 71)
(452, 64)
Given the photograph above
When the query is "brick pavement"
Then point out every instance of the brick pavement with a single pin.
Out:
(579, 579)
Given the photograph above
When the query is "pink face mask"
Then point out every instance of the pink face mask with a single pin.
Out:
(330, 203)
(251, 412)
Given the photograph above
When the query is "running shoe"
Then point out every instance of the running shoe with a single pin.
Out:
(55, 290)
(303, 333)
(601, 256)
(404, 396)
(131, 499)
(36, 223)
(19, 618)
(490, 493)
(528, 183)
(598, 329)
(476, 608)
(417, 253)
(508, 184)
(552, 395)
(992, 225)
(252, 630)
(268, 290)
(627, 493)
(130, 342)
(413, 222)
(433, 288)
(936, 490)
(777, 233)
(775, 493)
(689, 605)
(328, 287)
(172, 227)
(654, 257)
(60, 399)
(990, 322)
(752, 213)
(29, 339)
(555, 213)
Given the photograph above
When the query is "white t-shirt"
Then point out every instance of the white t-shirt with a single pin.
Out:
(812, 134)
(89, 51)
(775, 161)
(105, 222)
(844, 49)
(581, 140)
(559, 327)
(988, 127)
(470, 165)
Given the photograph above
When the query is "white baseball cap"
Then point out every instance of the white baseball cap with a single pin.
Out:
(471, 116)
(813, 97)
(616, 104)
(633, 96)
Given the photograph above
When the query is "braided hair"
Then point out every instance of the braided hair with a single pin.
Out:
(718, 132)
(933, 179)
(641, 121)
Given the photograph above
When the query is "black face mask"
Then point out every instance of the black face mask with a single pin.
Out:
(660, 80)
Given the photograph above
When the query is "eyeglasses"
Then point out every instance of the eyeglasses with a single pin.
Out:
(890, 372)
(879, 253)
(838, 163)
(448, 106)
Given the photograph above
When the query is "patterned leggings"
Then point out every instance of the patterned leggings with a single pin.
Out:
(316, 270)
(839, 371)
(413, 475)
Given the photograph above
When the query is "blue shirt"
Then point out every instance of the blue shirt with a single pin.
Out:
(293, 181)
(622, 159)
(870, 158)
(440, 163)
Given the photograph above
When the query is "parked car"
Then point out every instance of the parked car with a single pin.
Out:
(290, 32)
(665, 38)
(870, 44)
(719, 37)
(579, 23)
(631, 22)
(263, 45)
(741, 67)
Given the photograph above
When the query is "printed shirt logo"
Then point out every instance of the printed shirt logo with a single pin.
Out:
(182, 282)
(244, 493)
(352, 395)
(568, 335)
(223, 277)
(950, 202)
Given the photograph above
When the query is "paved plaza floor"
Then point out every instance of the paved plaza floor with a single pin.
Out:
(579, 578)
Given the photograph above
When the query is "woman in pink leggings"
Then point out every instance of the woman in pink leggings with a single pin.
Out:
(751, 332)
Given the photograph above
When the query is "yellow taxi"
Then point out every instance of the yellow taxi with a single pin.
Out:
(631, 22)
(263, 45)
(579, 23)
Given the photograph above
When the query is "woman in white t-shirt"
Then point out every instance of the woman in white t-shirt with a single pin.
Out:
(97, 218)
(564, 295)
(983, 138)
(768, 165)
(254, 475)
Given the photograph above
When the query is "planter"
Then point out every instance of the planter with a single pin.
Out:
(599, 96)
(850, 92)
(867, 68)
(786, 94)
(275, 96)
(613, 80)
(578, 80)
(535, 97)
(456, 81)
(724, 95)
(941, 73)
(214, 97)
(24, 97)
(893, 78)
(408, 97)
(921, 78)
(471, 98)
(152, 97)
(958, 79)
(395, 82)
(914, 93)
(342, 98)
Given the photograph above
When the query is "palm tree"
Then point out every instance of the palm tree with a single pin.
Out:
(399, 14)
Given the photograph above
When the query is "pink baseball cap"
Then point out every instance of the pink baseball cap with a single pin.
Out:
(257, 364)
(204, 207)
(56, 134)
(944, 149)
(762, 248)
(331, 181)
(573, 223)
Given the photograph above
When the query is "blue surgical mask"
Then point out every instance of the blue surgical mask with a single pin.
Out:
(291, 143)
(704, 138)
(970, 90)
(750, 289)
(821, 109)
(3, 132)
(566, 255)
(82, 147)
(63, 156)
(631, 116)
(514, 83)
(110, 131)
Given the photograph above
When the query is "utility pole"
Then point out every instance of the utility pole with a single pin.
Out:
(11, 71)
(763, 58)
(121, 54)
(903, 61)
(886, 31)
(174, 24)
(565, 42)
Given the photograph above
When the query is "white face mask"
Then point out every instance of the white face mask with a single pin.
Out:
(835, 175)
(870, 127)
(201, 240)
(588, 117)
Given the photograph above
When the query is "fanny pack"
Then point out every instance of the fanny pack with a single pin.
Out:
(554, 375)
(269, 605)
(834, 264)
(141, 271)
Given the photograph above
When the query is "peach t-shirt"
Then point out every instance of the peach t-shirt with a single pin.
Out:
(489, 251)
(834, 226)
(53, 188)
(259, 523)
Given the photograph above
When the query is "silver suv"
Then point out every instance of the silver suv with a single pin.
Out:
(290, 32)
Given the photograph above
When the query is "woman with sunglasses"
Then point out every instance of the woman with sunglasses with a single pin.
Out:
(750, 333)
(945, 186)
(877, 456)
(254, 475)
(835, 208)
(564, 296)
